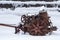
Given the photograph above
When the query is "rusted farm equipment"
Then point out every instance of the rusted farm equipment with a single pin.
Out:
(39, 24)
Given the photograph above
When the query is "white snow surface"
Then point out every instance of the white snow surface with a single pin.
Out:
(13, 17)
(29, 2)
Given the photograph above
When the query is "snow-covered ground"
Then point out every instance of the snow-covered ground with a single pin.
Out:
(29, 2)
(13, 17)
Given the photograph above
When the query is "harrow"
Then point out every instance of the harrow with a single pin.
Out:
(39, 24)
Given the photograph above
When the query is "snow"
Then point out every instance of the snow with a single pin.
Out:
(27, 2)
(13, 17)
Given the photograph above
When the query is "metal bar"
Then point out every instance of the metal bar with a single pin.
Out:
(1, 24)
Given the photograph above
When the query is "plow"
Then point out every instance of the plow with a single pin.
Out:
(39, 24)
